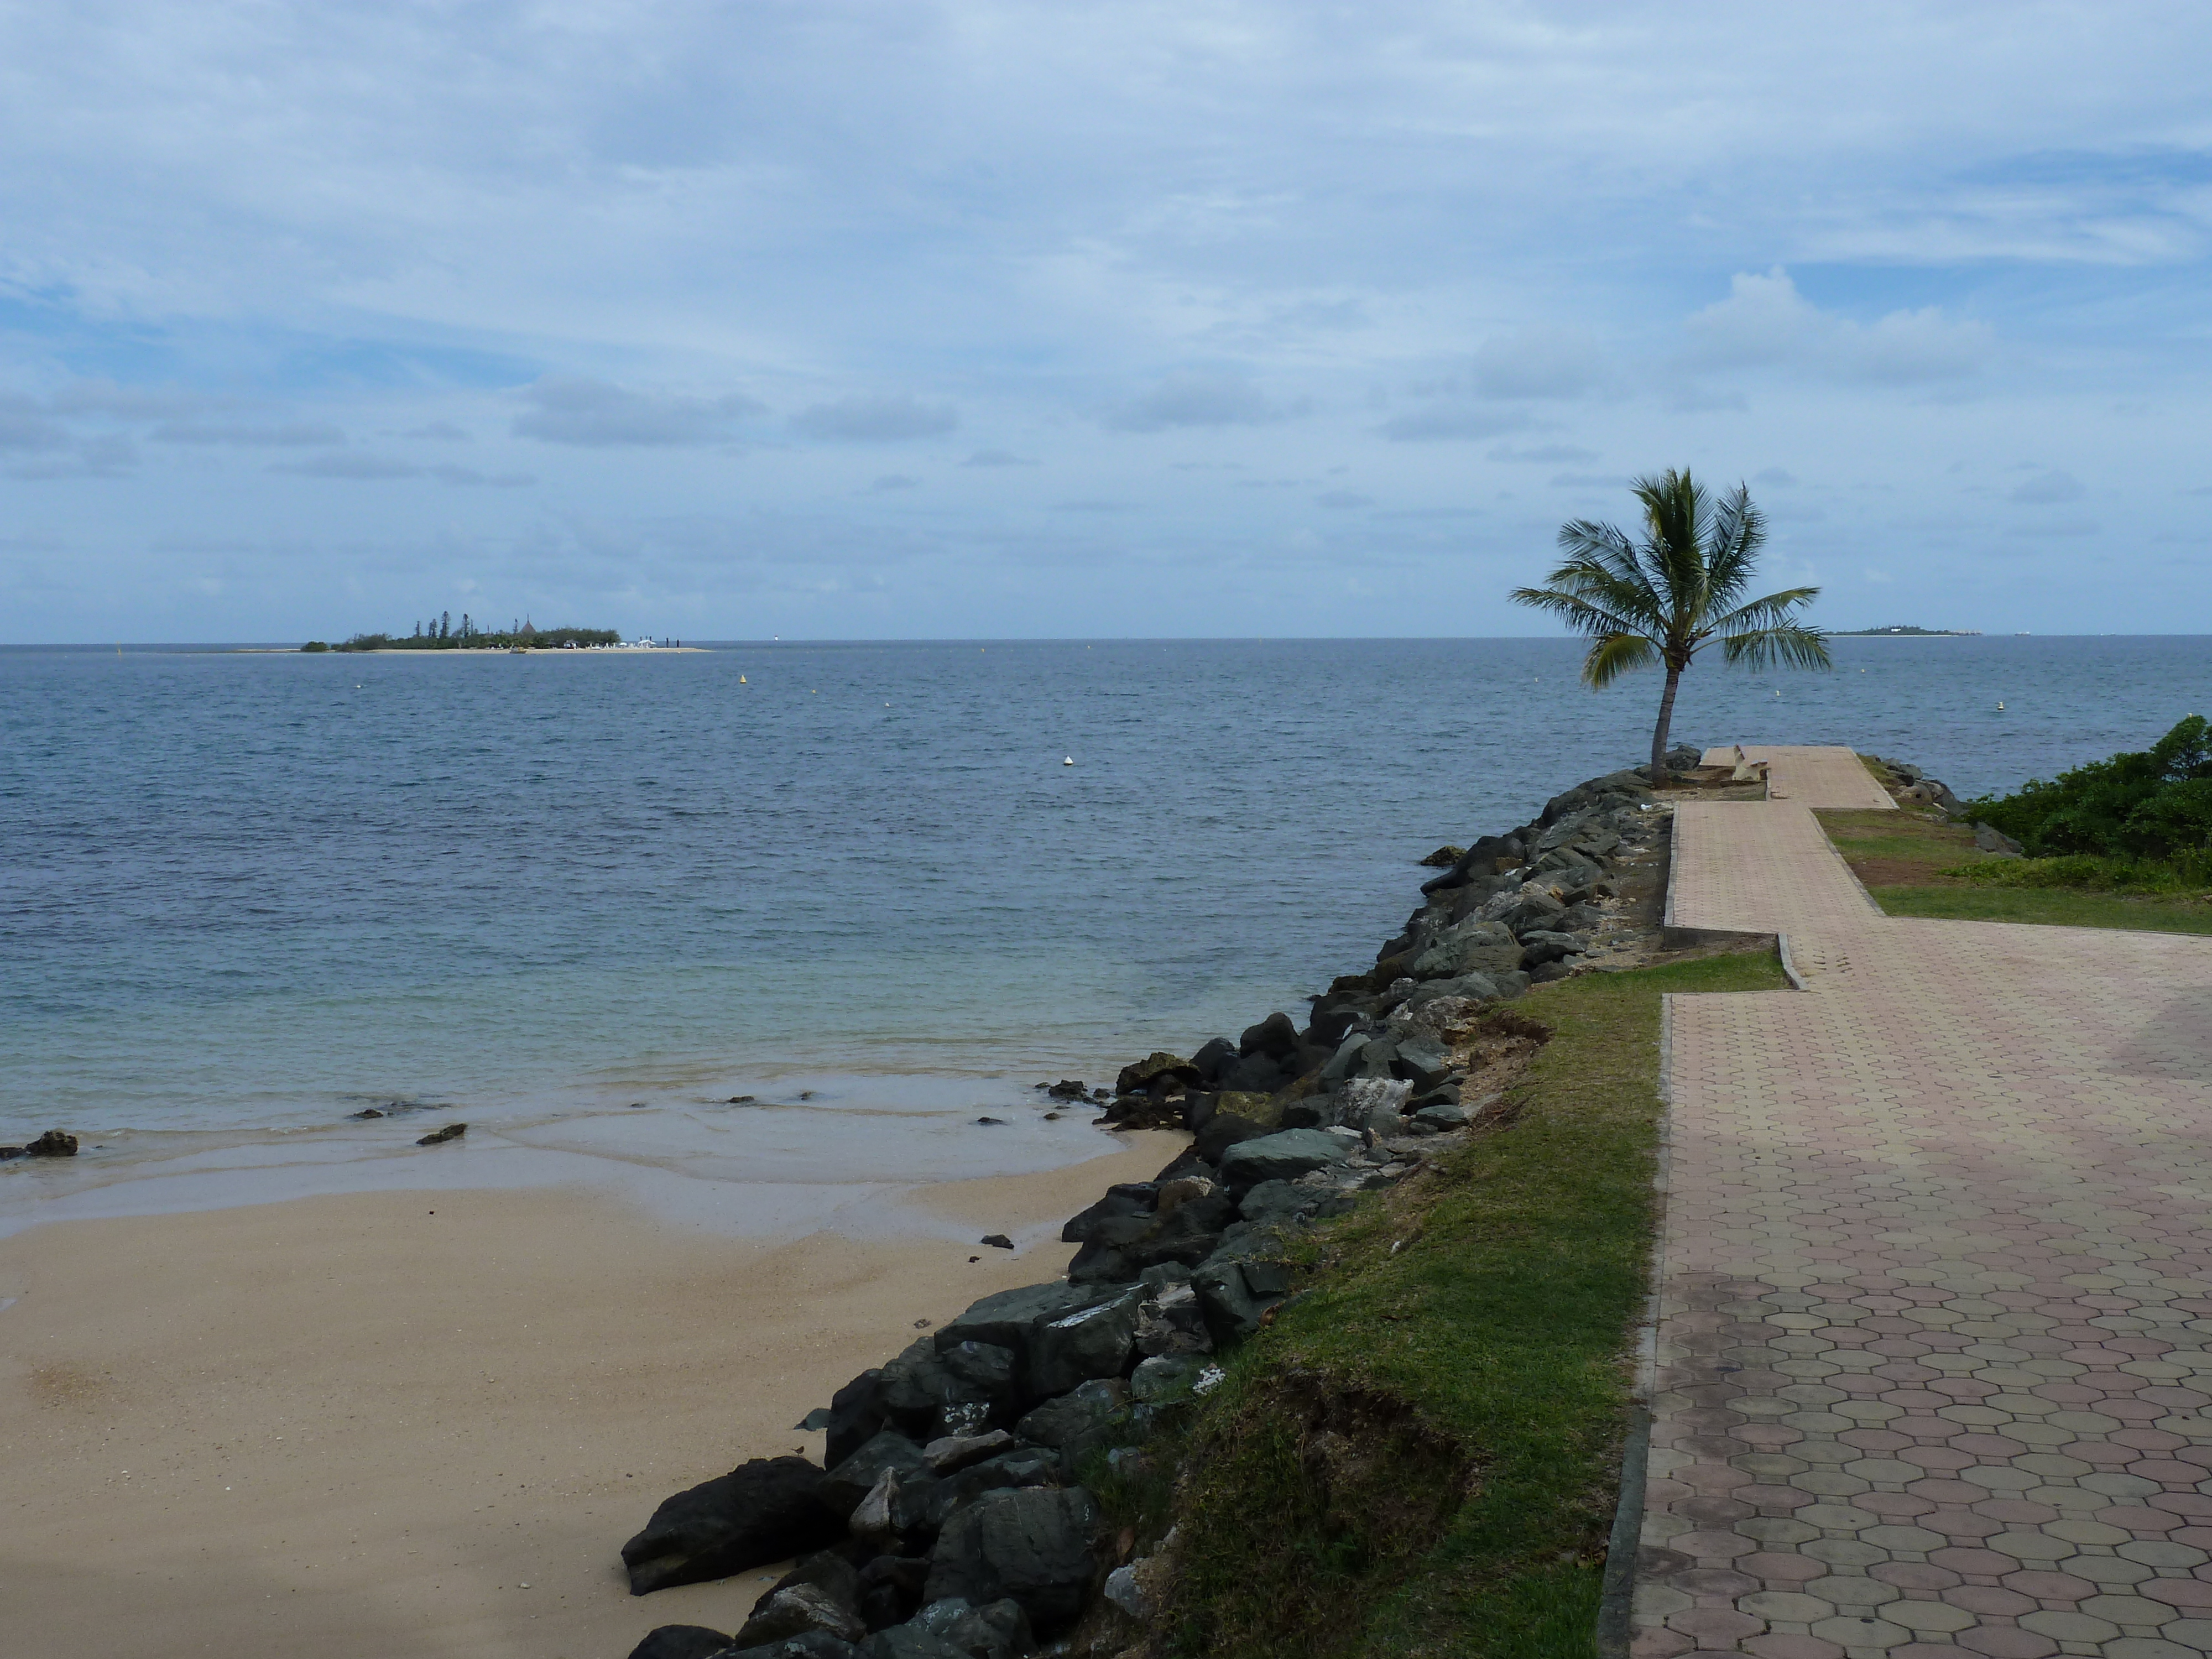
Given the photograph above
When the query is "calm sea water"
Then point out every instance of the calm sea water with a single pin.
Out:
(244, 889)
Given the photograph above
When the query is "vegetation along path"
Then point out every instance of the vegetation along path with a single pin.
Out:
(1932, 1362)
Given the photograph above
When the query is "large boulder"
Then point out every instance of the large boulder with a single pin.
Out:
(1540, 945)
(1211, 1058)
(1079, 1422)
(1991, 839)
(1036, 1547)
(1129, 1198)
(1006, 1319)
(1236, 1296)
(1029, 1466)
(908, 1641)
(856, 1416)
(799, 1610)
(1275, 1036)
(809, 1645)
(1225, 1129)
(1469, 947)
(1284, 1156)
(1421, 1061)
(769, 1509)
(680, 1642)
(1092, 1342)
(1160, 1067)
(855, 1477)
(998, 1630)
(927, 1393)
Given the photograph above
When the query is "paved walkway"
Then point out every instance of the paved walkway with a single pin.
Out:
(1934, 1348)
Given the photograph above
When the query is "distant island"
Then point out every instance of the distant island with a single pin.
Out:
(442, 633)
(1904, 633)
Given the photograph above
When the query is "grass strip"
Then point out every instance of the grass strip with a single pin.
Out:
(1915, 866)
(1420, 1457)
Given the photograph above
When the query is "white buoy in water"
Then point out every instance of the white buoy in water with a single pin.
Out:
(2000, 703)
(1070, 761)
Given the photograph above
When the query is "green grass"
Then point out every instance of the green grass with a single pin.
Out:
(2048, 907)
(1917, 867)
(1419, 1458)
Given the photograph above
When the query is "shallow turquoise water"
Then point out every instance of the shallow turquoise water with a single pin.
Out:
(265, 890)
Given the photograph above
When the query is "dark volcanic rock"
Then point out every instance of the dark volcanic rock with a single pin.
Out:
(1093, 1342)
(1284, 1156)
(1207, 1062)
(1034, 1546)
(1275, 1036)
(908, 1641)
(998, 1630)
(436, 1137)
(679, 1641)
(856, 1415)
(924, 1397)
(1129, 1198)
(1031, 1466)
(52, 1144)
(1470, 947)
(1158, 1066)
(800, 1610)
(997, 1241)
(813, 1644)
(768, 1509)
(1078, 1422)
(851, 1479)
(1224, 1130)
(1539, 946)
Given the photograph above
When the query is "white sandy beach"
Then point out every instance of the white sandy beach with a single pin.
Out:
(370, 1425)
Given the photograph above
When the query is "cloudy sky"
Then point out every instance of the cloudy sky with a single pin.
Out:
(831, 320)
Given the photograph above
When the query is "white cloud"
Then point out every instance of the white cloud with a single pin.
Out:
(1542, 454)
(571, 410)
(248, 434)
(876, 420)
(1451, 417)
(1539, 363)
(1766, 323)
(1202, 398)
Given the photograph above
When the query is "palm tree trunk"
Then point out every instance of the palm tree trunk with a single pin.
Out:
(1659, 731)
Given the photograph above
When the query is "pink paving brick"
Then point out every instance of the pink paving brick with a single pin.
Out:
(1965, 1171)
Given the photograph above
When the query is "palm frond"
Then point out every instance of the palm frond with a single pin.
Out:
(1616, 654)
(1738, 531)
(1789, 646)
(1580, 615)
(1774, 610)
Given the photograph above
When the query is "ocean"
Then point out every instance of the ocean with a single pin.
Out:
(247, 893)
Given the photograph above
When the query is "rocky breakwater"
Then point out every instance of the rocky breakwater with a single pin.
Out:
(954, 1515)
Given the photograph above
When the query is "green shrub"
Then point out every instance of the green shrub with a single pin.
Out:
(316, 644)
(2156, 806)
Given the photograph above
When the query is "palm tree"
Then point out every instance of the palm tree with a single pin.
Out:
(1663, 600)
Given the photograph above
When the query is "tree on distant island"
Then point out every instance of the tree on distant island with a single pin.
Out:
(1661, 601)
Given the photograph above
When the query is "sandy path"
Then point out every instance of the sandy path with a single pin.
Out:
(422, 1424)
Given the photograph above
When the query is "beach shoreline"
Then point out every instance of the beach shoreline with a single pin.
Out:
(362, 1422)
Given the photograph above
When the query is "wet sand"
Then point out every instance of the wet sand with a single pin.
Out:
(422, 1423)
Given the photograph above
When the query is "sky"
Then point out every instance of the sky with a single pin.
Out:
(980, 319)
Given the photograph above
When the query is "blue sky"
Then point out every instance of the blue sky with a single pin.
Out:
(842, 320)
